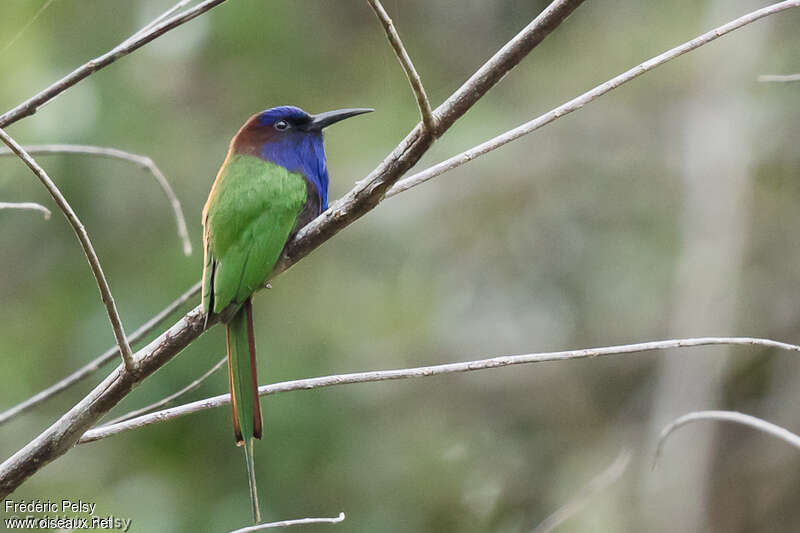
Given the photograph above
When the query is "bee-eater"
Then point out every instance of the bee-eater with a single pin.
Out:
(273, 181)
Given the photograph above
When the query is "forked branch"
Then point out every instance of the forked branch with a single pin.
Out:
(64, 433)
(86, 244)
(425, 111)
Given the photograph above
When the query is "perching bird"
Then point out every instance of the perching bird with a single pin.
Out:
(273, 182)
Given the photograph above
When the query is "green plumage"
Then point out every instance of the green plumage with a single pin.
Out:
(254, 205)
(252, 209)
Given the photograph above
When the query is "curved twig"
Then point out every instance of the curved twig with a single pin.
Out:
(597, 484)
(726, 416)
(29, 206)
(427, 371)
(425, 111)
(83, 237)
(287, 523)
(142, 161)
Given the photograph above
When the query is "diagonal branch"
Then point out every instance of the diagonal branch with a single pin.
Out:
(143, 161)
(30, 206)
(428, 371)
(423, 103)
(88, 249)
(726, 416)
(32, 104)
(64, 433)
(91, 367)
(587, 97)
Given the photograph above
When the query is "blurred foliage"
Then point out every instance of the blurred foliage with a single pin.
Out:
(567, 238)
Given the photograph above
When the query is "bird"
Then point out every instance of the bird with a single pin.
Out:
(273, 181)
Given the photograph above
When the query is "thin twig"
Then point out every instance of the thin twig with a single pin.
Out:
(158, 19)
(585, 98)
(596, 485)
(172, 397)
(780, 78)
(286, 523)
(26, 26)
(423, 103)
(31, 206)
(98, 362)
(726, 416)
(83, 237)
(142, 161)
(427, 371)
(32, 104)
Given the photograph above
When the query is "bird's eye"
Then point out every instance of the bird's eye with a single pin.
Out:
(281, 125)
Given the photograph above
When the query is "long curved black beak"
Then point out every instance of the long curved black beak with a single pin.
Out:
(323, 120)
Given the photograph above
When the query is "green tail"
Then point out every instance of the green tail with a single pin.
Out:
(244, 391)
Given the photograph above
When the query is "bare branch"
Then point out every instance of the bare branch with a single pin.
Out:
(32, 104)
(726, 416)
(423, 103)
(780, 78)
(286, 523)
(427, 371)
(172, 397)
(64, 433)
(31, 206)
(88, 249)
(596, 485)
(114, 153)
(585, 98)
(94, 365)
(370, 191)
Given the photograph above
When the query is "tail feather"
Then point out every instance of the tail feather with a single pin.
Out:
(244, 391)
(251, 478)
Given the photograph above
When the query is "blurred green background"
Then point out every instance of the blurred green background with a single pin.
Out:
(665, 209)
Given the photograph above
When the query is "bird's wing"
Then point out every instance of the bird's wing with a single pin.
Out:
(253, 208)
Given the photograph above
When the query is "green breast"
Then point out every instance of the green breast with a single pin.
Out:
(250, 216)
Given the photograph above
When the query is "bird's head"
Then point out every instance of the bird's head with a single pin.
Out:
(286, 128)
(292, 138)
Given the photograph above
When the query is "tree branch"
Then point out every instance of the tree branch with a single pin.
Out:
(31, 206)
(287, 523)
(425, 111)
(725, 416)
(585, 98)
(88, 249)
(32, 104)
(427, 371)
(143, 161)
(98, 362)
(172, 397)
(64, 433)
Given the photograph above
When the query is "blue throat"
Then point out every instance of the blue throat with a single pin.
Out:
(301, 152)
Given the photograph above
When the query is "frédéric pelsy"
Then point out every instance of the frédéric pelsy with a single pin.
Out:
(49, 506)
